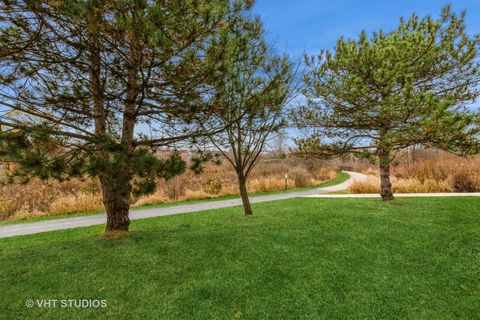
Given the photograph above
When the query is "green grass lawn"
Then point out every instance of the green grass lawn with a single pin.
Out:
(414, 258)
(340, 178)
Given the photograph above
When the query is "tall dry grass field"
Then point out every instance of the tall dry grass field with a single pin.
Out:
(443, 173)
(37, 198)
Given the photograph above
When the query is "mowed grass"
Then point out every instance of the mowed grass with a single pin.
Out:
(414, 258)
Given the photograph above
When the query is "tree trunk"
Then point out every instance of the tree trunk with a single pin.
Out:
(117, 186)
(385, 184)
(247, 208)
(117, 203)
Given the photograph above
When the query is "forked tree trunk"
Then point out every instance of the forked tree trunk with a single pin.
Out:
(385, 183)
(242, 183)
(117, 203)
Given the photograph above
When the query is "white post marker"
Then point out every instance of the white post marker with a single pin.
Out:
(286, 181)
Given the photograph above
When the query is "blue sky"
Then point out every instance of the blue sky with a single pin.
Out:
(296, 26)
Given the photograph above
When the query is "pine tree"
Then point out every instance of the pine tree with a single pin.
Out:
(98, 87)
(376, 95)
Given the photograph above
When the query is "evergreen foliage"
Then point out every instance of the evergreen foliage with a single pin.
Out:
(382, 93)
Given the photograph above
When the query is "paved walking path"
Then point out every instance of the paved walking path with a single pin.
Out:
(68, 223)
(397, 195)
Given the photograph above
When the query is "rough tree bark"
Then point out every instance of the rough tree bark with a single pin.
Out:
(385, 183)
(116, 188)
(116, 201)
(115, 193)
(115, 197)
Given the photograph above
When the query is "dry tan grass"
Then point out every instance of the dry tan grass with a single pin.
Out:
(198, 195)
(443, 173)
(446, 173)
(157, 197)
(33, 197)
(79, 202)
(372, 185)
(38, 198)
(325, 174)
(269, 184)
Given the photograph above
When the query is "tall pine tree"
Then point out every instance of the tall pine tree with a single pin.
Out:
(97, 87)
(382, 93)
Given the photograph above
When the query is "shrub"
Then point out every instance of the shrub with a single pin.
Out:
(212, 186)
(301, 177)
(324, 174)
(466, 182)
(7, 208)
(175, 188)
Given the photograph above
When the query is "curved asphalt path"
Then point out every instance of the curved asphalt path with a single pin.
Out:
(69, 223)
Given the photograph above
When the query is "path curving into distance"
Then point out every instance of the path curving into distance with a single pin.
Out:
(86, 221)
